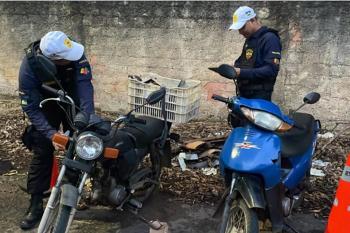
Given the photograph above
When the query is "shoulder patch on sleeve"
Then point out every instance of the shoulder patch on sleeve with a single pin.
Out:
(276, 61)
(84, 71)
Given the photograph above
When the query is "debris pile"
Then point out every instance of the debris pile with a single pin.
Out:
(329, 160)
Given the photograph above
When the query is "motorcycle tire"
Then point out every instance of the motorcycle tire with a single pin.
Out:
(241, 219)
(62, 219)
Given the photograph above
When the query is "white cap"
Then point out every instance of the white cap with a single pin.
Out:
(56, 45)
(241, 16)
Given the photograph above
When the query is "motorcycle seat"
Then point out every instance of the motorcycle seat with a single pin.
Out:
(144, 134)
(299, 138)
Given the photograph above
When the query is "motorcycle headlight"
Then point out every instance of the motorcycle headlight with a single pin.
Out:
(265, 120)
(88, 146)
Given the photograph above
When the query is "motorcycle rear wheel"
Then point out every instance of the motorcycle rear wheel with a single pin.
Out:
(241, 219)
(155, 166)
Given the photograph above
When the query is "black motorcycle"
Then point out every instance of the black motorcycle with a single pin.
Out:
(93, 151)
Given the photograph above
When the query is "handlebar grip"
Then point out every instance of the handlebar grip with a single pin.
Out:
(50, 89)
(140, 121)
(220, 98)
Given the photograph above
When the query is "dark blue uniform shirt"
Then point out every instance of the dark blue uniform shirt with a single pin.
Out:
(265, 55)
(31, 93)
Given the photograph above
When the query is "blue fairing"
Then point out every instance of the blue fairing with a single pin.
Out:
(262, 105)
(252, 150)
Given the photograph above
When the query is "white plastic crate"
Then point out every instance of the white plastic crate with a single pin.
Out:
(181, 103)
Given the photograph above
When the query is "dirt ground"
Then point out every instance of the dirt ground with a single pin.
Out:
(187, 198)
(180, 216)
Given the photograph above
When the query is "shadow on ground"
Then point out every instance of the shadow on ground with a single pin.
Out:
(181, 217)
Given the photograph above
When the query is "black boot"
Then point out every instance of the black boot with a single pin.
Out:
(34, 212)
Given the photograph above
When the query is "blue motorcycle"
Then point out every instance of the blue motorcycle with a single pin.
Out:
(266, 161)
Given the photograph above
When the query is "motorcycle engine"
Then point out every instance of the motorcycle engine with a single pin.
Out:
(117, 195)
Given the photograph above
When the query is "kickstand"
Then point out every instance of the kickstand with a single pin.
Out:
(291, 228)
(155, 225)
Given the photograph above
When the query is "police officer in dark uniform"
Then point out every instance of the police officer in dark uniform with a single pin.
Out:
(258, 65)
(74, 76)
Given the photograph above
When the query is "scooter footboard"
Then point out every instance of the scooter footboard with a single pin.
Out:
(251, 190)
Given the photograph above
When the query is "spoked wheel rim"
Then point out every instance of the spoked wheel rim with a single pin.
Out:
(237, 221)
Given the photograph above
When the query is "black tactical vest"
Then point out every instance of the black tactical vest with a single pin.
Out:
(258, 88)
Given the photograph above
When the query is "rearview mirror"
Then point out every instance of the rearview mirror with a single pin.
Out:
(225, 70)
(156, 96)
(47, 67)
(311, 98)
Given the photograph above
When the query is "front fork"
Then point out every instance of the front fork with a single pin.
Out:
(52, 202)
(80, 190)
(230, 197)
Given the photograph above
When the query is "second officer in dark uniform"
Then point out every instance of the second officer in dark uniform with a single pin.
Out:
(258, 65)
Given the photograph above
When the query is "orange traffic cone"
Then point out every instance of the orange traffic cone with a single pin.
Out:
(54, 172)
(339, 218)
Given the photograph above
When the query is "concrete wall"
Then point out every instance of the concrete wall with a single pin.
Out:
(182, 39)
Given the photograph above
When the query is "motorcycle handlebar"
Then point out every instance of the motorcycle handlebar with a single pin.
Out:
(221, 99)
(61, 97)
(52, 90)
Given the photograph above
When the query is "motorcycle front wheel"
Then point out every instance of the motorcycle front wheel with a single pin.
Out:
(57, 217)
(62, 219)
(241, 219)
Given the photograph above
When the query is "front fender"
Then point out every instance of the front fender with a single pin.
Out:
(69, 195)
(250, 188)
